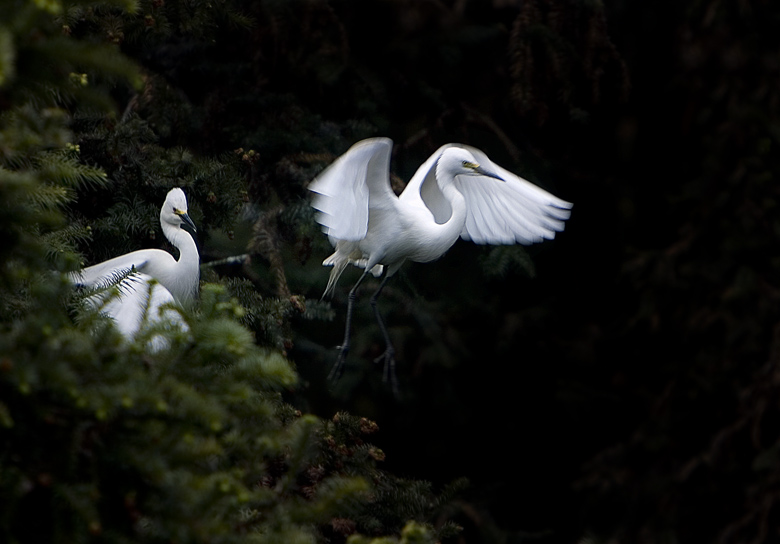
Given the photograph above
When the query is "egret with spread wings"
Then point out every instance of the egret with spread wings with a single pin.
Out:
(457, 193)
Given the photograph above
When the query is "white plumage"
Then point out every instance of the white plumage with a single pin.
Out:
(457, 192)
(156, 280)
(137, 303)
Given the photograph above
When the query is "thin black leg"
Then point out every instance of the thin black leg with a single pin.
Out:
(338, 367)
(388, 374)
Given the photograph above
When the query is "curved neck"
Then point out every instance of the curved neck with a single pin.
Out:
(442, 235)
(454, 225)
(182, 240)
(188, 264)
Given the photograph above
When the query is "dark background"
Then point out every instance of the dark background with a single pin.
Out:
(623, 381)
(620, 382)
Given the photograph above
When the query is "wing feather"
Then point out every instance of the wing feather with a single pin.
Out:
(515, 211)
(356, 182)
(478, 206)
(508, 221)
(95, 274)
(140, 302)
(526, 229)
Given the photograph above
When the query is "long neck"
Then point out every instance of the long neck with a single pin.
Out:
(454, 225)
(446, 234)
(445, 178)
(188, 264)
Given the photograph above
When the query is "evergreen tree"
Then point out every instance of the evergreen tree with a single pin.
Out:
(100, 439)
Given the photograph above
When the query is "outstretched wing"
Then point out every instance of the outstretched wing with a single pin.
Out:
(516, 211)
(357, 181)
(509, 212)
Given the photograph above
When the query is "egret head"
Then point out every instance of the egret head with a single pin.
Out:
(174, 210)
(458, 161)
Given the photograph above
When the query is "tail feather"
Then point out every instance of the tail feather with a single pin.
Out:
(376, 270)
(338, 264)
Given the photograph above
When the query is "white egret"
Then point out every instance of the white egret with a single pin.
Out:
(138, 302)
(157, 278)
(457, 192)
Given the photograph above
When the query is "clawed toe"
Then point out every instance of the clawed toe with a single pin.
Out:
(387, 355)
(388, 373)
(338, 366)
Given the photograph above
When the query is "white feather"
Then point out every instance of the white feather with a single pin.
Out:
(355, 183)
(137, 303)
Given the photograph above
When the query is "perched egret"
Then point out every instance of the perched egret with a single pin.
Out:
(457, 192)
(156, 279)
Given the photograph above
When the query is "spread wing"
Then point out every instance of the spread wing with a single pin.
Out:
(356, 182)
(509, 212)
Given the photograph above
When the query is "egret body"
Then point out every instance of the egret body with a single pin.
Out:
(156, 280)
(139, 301)
(457, 193)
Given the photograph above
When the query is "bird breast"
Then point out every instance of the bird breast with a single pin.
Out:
(414, 234)
(179, 277)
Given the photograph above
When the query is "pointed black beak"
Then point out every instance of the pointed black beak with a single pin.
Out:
(188, 221)
(483, 172)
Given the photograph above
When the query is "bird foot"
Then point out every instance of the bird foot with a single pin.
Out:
(338, 366)
(388, 373)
